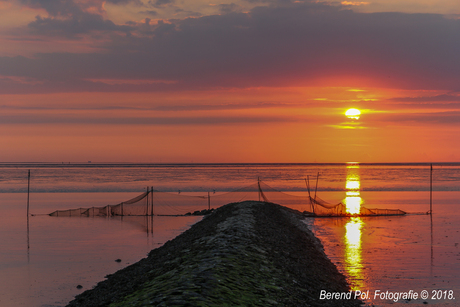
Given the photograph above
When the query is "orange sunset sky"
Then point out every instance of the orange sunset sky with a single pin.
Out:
(229, 81)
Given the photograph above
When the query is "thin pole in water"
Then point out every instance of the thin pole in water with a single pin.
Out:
(431, 216)
(431, 188)
(432, 257)
(151, 189)
(147, 211)
(28, 230)
(258, 185)
(28, 192)
(307, 181)
(317, 178)
(209, 202)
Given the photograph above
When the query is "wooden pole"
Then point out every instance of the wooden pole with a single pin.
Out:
(147, 211)
(307, 181)
(431, 188)
(209, 202)
(432, 256)
(258, 185)
(317, 178)
(152, 200)
(28, 230)
(28, 193)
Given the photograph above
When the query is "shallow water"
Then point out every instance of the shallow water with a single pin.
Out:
(42, 265)
(51, 178)
(43, 261)
(398, 253)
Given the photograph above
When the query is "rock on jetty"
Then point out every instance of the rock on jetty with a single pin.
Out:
(243, 254)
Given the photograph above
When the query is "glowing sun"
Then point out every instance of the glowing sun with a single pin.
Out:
(353, 113)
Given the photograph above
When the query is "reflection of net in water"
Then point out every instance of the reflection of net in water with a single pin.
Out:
(161, 203)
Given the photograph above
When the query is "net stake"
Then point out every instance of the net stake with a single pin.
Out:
(152, 202)
(431, 189)
(28, 192)
(317, 178)
(258, 185)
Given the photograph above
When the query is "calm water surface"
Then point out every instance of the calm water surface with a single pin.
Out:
(398, 253)
(43, 266)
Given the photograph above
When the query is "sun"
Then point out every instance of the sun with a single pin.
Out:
(353, 113)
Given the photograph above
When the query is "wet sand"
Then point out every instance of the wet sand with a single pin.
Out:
(243, 254)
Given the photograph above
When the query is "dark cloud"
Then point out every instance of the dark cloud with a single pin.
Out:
(150, 12)
(188, 13)
(437, 98)
(55, 7)
(260, 1)
(125, 2)
(71, 7)
(36, 118)
(160, 3)
(450, 101)
(284, 44)
(69, 18)
(431, 105)
(219, 107)
(167, 108)
(434, 118)
(71, 27)
(230, 8)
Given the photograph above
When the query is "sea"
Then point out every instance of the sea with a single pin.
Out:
(412, 259)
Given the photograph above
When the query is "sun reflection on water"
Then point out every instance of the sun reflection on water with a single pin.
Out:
(353, 251)
(353, 199)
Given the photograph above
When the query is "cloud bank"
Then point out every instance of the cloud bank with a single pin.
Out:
(282, 44)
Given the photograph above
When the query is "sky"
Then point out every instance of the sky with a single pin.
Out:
(167, 81)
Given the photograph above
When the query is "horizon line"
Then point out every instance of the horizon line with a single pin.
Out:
(90, 163)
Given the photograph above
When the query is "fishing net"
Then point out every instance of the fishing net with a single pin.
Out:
(155, 202)
(320, 207)
(137, 206)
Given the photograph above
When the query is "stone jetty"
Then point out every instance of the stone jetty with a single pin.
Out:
(242, 254)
